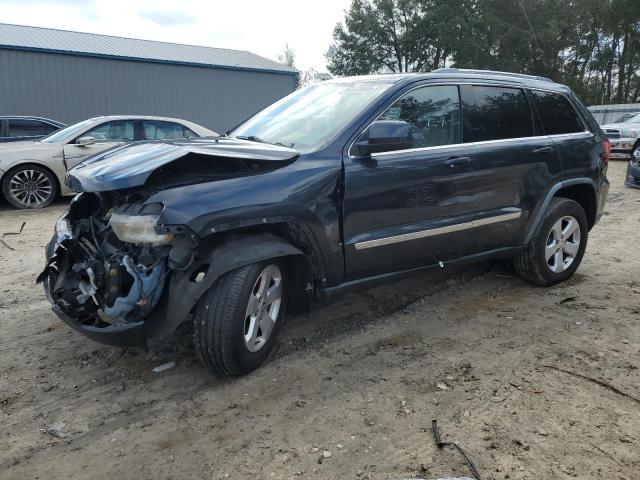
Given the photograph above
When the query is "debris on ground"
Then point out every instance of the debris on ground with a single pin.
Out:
(6, 234)
(164, 366)
(463, 452)
(56, 430)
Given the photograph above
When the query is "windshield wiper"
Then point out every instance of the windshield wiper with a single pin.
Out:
(251, 138)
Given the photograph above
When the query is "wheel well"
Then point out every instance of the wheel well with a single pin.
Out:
(306, 269)
(39, 165)
(586, 196)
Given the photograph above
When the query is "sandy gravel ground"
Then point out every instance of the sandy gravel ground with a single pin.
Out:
(353, 387)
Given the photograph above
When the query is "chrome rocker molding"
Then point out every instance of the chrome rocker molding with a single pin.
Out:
(432, 232)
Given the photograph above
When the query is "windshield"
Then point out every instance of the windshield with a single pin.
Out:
(629, 118)
(68, 133)
(311, 117)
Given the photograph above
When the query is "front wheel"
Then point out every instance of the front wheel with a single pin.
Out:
(29, 186)
(556, 250)
(236, 321)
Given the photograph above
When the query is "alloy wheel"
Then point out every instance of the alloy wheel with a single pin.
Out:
(263, 308)
(30, 188)
(563, 244)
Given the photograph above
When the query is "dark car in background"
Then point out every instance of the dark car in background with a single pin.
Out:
(16, 128)
(633, 171)
(339, 185)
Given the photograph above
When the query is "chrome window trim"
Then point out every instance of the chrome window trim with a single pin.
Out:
(585, 134)
(457, 83)
(432, 232)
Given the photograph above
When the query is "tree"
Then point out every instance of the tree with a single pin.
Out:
(288, 56)
(591, 45)
(311, 77)
(389, 36)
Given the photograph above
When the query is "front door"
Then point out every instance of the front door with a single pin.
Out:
(406, 208)
(106, 136)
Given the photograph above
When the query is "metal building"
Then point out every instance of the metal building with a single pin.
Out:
(610, 113)
(70, 76)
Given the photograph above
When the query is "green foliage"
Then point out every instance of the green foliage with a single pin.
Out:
(592, 45)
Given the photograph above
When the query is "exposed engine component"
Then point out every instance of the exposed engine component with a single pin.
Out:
(94, 275)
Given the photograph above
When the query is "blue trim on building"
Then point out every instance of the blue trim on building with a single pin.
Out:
(147, 60)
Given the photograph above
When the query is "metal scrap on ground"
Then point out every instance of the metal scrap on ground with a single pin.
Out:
(11, 233)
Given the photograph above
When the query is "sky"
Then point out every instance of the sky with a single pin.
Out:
(261, 27)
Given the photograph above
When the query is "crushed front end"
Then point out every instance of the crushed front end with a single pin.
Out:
(107, 266)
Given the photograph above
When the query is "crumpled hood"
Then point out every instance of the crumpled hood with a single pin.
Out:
(131, 165)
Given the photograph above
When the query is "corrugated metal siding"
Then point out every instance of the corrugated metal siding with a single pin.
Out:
(72, 88)
(610, 113)
(24, 37)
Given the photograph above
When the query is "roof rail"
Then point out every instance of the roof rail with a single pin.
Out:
(492, 72)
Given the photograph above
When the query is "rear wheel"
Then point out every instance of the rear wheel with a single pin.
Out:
(556, 250)
(29, 186)
(237, 320)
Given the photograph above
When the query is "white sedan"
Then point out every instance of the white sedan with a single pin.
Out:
(32, 173)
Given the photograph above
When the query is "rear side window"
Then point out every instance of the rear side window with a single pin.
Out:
(155, 130)
(557, 114)
(29, 128)
(496, 113)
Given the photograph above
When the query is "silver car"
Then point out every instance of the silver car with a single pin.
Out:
(624, 136)
(32, 173)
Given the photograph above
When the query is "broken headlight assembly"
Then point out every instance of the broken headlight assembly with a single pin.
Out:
(138, 229)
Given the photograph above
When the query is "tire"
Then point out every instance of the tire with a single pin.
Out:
(635, 153)
(553, 254)
(29, 186)
(222, 333)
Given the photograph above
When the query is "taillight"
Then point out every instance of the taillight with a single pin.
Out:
(606, 149)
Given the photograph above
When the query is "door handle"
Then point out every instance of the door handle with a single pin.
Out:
(542, 150)
(457, 161)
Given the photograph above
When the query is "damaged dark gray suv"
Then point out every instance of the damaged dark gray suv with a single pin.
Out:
(336, 186)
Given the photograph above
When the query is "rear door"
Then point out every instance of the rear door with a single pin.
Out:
(567, 129)
(106, 136)
(511, 165)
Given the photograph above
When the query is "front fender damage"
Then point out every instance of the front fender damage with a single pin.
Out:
(126, 294)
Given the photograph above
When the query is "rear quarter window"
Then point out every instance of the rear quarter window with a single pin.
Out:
(557, 114)
(496, 113)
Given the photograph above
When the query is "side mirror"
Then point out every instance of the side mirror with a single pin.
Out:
(385, 136)
(85, 141)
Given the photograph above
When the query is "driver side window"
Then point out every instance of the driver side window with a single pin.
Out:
(433, 115)
(116, 131)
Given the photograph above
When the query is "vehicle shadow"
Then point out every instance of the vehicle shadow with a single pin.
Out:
(346, 315)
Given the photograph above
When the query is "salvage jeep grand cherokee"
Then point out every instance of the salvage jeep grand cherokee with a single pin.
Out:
(338, 185)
